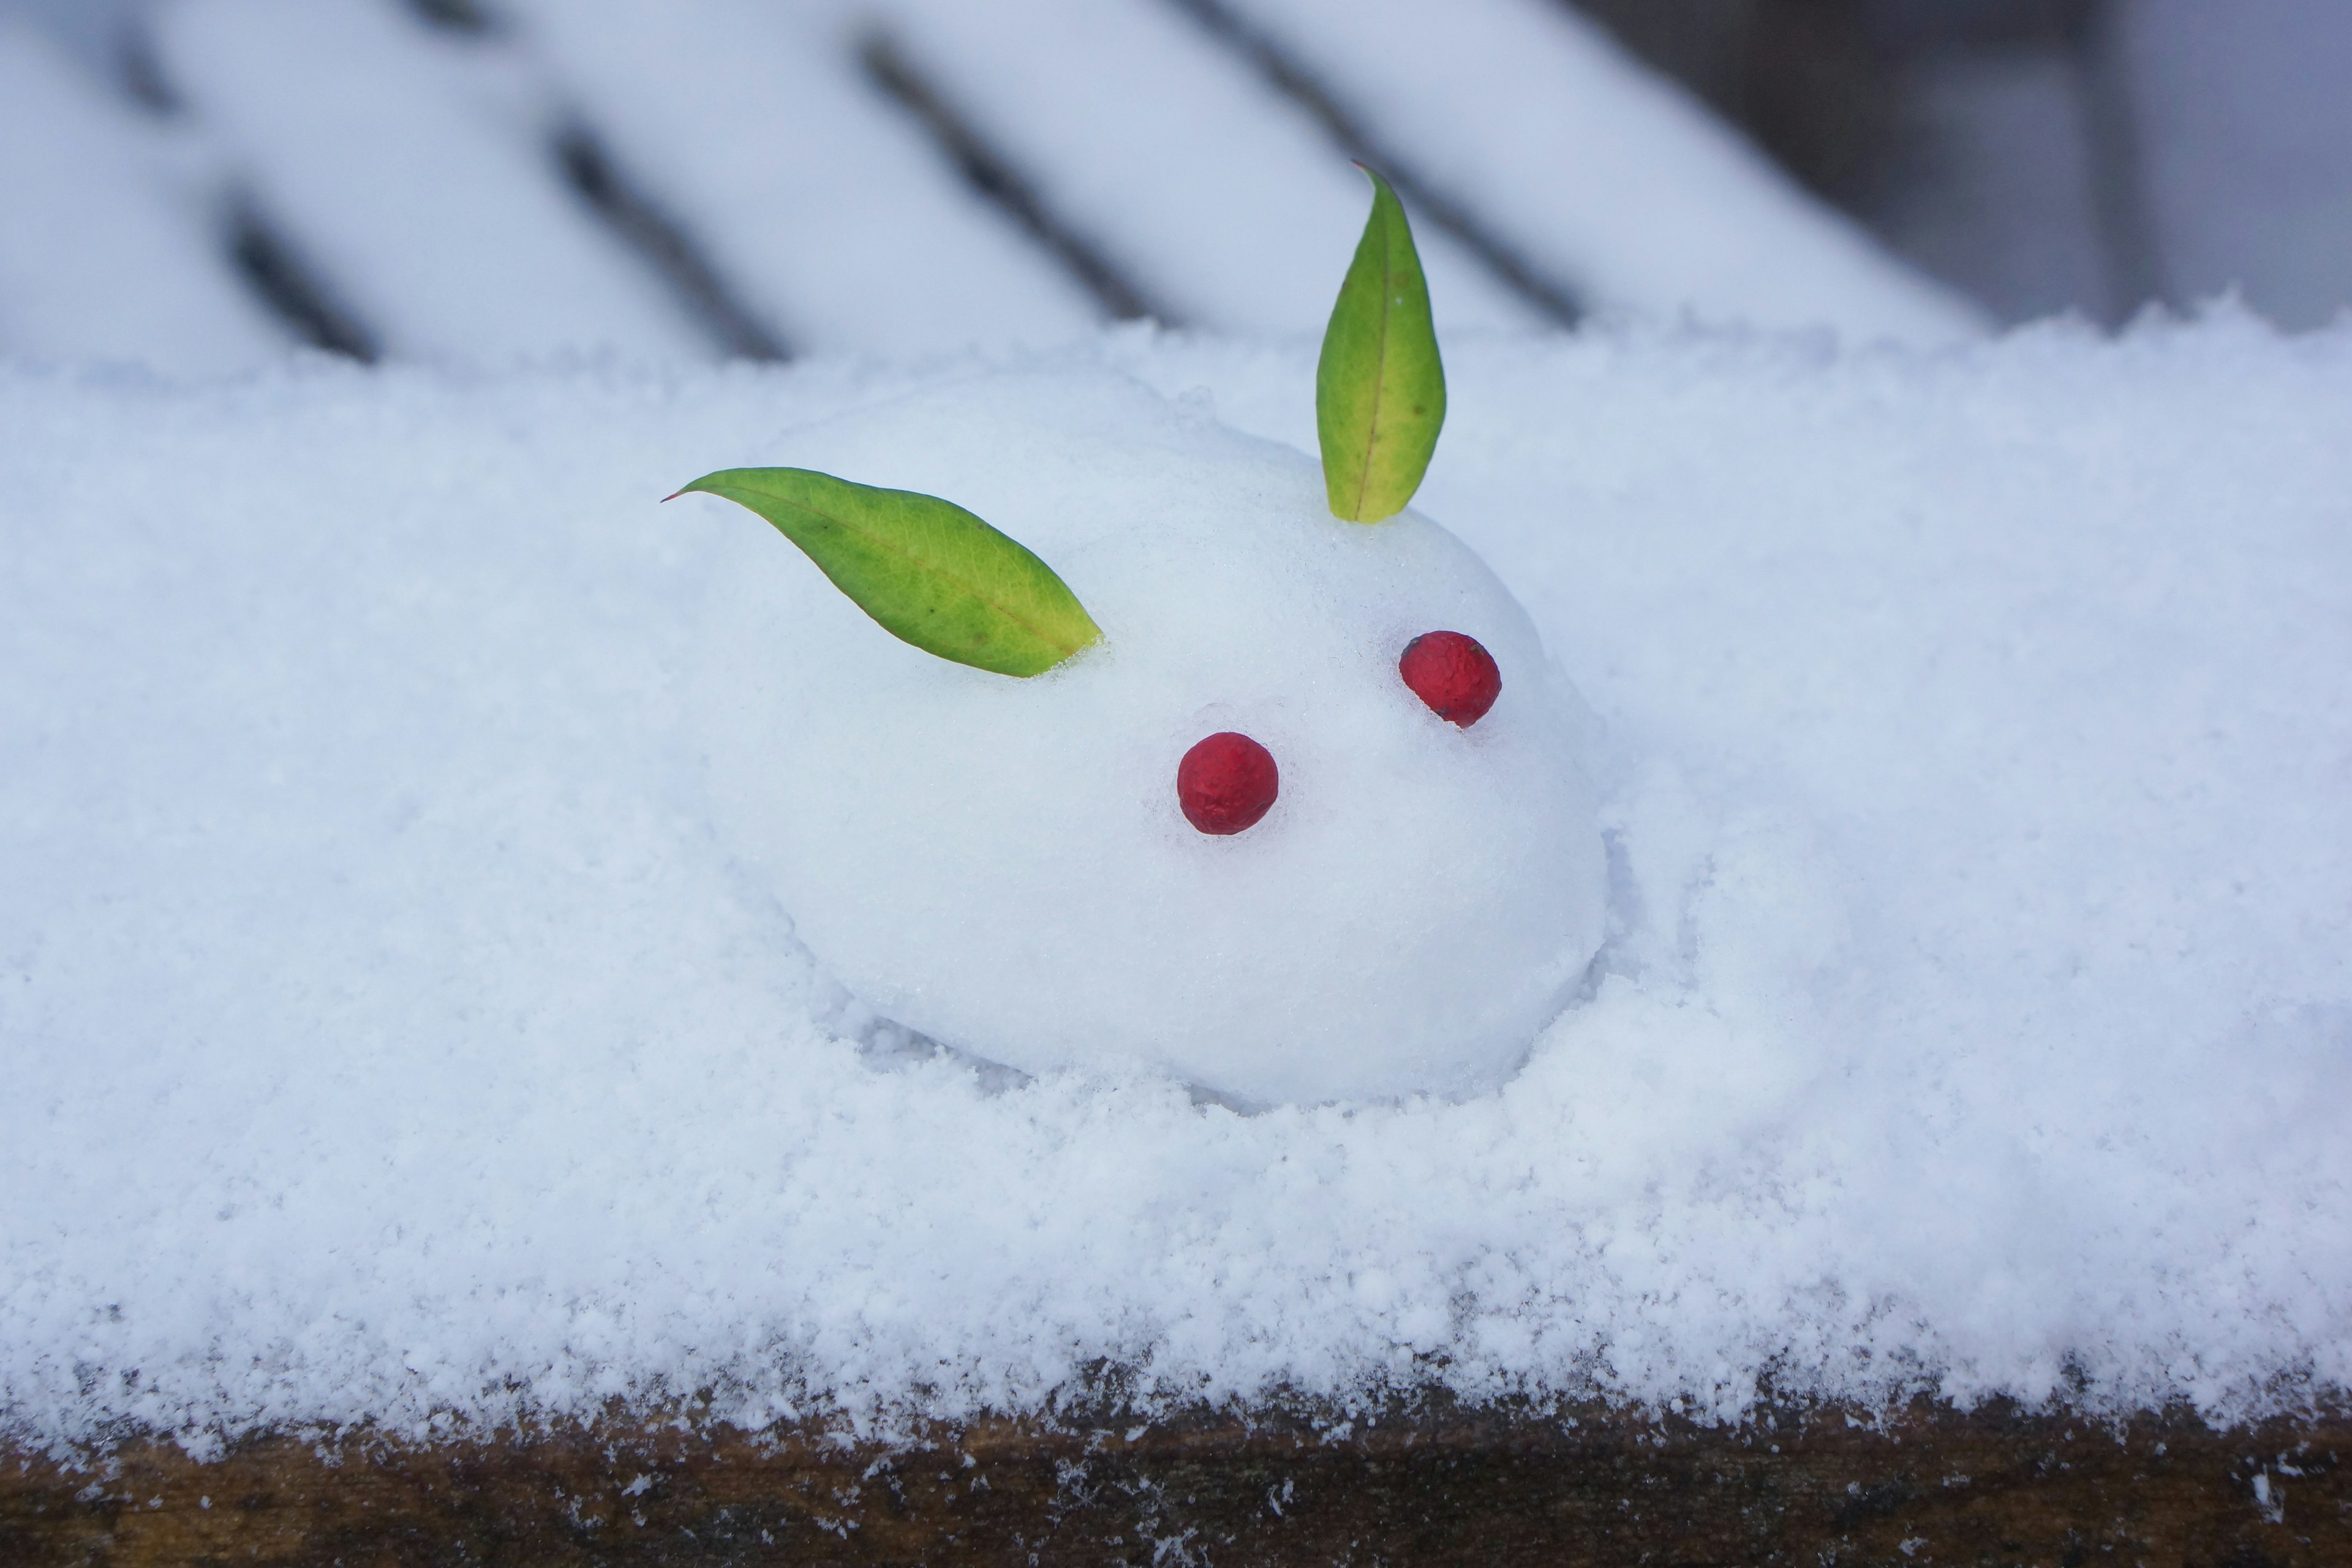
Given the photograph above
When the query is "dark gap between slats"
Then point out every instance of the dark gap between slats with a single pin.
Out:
(1546, 293)
(641, 220)
(2127, 230)
(264, 259)
(457, 16)
(273, 269)
(635, 215)
(994, 178)
(140, 77)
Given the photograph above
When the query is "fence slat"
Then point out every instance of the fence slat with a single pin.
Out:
(414, 172)
(822, 204)
(109, 250)
(1597, 172)
(1228, 206)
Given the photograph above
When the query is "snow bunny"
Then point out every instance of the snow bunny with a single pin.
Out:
(1265, 781)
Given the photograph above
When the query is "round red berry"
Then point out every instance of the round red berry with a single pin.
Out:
(1226, 782)
(1453, 674)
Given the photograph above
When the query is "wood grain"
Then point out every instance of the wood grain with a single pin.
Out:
(1436, 1484)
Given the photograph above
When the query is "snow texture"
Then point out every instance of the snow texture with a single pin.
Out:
(392, 1035)
(1000, 864)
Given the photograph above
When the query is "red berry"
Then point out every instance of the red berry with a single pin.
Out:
(1226, 782)
(1453, 674)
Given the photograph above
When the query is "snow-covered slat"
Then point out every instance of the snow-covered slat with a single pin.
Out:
(1223, 203)
(1585, 163)
(412, 172)
(109, 245)
(825, 207)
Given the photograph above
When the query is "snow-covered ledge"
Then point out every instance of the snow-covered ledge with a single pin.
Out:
(393, 1041)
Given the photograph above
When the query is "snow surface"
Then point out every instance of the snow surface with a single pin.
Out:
(1002, 864)
(389, 1034)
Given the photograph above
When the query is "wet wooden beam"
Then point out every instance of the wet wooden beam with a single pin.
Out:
(1439, 1484)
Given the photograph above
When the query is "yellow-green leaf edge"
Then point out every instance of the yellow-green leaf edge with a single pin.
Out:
(1379, 388)
(925, 570)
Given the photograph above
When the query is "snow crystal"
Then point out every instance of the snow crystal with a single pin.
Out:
(390, 1028)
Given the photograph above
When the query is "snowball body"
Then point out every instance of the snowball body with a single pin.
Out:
(1001, 865)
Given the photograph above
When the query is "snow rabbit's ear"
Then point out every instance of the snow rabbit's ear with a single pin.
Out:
(929, 572)
(1379, 390)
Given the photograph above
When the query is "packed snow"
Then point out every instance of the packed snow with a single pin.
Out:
(395, 1030)
(1002, 864)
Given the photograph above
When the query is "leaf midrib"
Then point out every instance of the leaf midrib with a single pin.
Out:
(1379, 378)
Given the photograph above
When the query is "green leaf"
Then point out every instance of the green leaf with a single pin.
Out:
(930, 572)
(1380, 392)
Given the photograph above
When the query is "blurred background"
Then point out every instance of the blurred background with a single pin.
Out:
(199, 184)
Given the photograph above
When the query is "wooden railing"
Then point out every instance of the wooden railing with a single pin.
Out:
(439, 179)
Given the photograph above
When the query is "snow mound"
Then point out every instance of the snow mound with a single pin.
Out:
(1001, 865)
(392, 1031)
